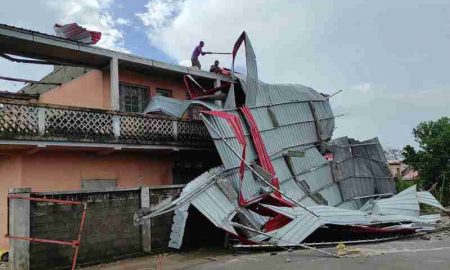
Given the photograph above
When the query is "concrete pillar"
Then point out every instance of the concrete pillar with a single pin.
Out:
(19, 225)
(146, 235)
(114, 77)
(175, 130)
(41, 121)
(116, 126)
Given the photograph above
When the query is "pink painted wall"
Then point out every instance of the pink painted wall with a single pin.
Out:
(92, 89)
(84, 91)
(175, 84)
(64, 170)
(10, 177)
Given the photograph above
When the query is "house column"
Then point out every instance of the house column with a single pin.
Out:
(146, 230)
(114, 77)
(19, 225)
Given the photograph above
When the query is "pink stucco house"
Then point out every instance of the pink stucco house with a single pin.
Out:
(85, 128)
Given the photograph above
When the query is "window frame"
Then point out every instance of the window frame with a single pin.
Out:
(170, 92)
(144, 98)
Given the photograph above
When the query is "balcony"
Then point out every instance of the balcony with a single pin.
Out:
(22, 122)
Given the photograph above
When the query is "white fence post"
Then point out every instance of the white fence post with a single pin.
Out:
(41, 121)
(175, 130)
(116, 126)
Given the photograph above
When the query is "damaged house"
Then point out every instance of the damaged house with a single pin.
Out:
(82, 126)
(283, 175)
(258, 161)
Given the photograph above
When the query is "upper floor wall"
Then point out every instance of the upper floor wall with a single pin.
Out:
(82, 86)
(91, 89)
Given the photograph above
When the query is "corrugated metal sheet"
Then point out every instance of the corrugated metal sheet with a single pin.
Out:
(207, 104)
(328, 214)
(425, 219)
(178, 226)
(295, 231)
(361, 168)
(291, 119)
(213, 204)
(184, 201)
(404, 203)
(166, 105)
(251, 82)
(426, 197)
(175, 107)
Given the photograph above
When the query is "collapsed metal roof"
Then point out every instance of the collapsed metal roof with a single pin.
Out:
(283, 176)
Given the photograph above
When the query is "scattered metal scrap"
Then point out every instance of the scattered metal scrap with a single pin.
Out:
(283, 177)
(77, 33)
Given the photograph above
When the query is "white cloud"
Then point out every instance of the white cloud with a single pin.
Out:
(317, 43)
(387, 113)
(281, 32)
(159, 12)
(363, 88)
(41, 15)
(122, 21)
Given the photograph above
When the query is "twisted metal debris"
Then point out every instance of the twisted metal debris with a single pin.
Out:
(283, 176)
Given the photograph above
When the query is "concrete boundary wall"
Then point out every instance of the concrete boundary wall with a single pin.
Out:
(108, 234)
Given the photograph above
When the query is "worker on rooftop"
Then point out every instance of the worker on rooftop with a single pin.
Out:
(215, 68)
(196, 53)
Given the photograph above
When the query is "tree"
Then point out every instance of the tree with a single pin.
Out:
(393, 154)
(432, 160)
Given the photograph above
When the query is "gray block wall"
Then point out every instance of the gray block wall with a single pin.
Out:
(108, 234)
(162, 225)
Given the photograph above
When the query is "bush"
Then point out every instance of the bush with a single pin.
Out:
(401, 185)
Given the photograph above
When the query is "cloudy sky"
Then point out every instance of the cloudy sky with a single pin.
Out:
(391, 58)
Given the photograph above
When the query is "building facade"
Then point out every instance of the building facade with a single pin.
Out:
(85, 128)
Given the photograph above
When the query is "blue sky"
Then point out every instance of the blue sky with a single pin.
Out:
(391, 58)
(136, 40)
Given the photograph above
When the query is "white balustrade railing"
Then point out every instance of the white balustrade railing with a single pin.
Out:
(25, 121)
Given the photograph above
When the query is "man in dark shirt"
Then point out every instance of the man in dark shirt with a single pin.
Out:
(215, 68)
(196, 53)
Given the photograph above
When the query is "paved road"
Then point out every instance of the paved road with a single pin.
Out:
(405, 254)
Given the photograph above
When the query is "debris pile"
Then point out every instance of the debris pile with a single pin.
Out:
(283, 176)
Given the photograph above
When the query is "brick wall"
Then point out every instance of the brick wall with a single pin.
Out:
(109, 233)
(161, 226)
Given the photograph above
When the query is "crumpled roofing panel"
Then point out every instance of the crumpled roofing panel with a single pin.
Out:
(404, 203)
(295, 231)
(166, 105)
(426, 197)
(183, 203)
(329, 215)
(296, 124)
(175, 107)
(361, 168)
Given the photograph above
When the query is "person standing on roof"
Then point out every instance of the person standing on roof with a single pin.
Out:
(196, 53)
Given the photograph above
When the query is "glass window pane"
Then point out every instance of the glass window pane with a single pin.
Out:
(133, 98)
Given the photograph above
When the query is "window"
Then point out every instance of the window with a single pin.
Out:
(163, 92)
(133, 98)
